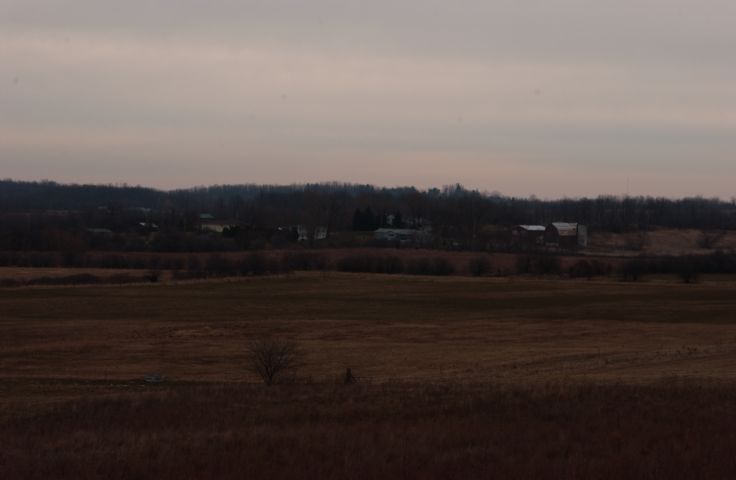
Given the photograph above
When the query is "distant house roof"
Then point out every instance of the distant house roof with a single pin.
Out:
(219, 226)
(565, 229)
(532, 228)
(206, 216)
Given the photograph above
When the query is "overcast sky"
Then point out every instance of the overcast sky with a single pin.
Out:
(547, 97)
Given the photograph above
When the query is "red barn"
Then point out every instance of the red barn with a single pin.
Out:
(527, 235)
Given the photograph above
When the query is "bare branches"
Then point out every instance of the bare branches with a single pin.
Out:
(271, 357)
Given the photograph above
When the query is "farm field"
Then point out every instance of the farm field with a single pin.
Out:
(661, 241)
(515, 377)
(384, 327)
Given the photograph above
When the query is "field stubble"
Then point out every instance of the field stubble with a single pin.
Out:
(458, 378)
(384, 327)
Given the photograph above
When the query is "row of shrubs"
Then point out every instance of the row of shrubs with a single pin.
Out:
(83, 260)
(688, 268)
(219, 266)
(80, 279)
(551, 265)
(193, 267)
(216, 265)
(393, 264)
(289, 261)
(259, 264)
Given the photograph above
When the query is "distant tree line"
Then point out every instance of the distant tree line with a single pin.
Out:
(218, 265)
(47, 216)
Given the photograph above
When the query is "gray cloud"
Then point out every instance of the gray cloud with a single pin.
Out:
(549, 97)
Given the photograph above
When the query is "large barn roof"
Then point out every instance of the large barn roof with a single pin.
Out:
(565, 229)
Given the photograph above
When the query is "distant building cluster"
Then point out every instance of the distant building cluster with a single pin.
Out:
(557, 234)
(417, 232)
(368, 229)
(403, 236)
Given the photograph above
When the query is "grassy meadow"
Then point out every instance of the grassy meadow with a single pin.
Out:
(458, 377)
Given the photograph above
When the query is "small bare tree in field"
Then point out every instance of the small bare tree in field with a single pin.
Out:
(272, 357)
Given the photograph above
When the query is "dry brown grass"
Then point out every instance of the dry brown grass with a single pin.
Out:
(459, 378)
(660, 241)
(395, 430)
(384, 327)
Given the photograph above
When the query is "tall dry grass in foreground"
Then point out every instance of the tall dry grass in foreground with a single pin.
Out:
(377, 431)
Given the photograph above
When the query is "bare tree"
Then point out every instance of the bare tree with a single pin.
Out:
(271, 357)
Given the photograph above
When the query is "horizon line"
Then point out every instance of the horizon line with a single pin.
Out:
(484, 192)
